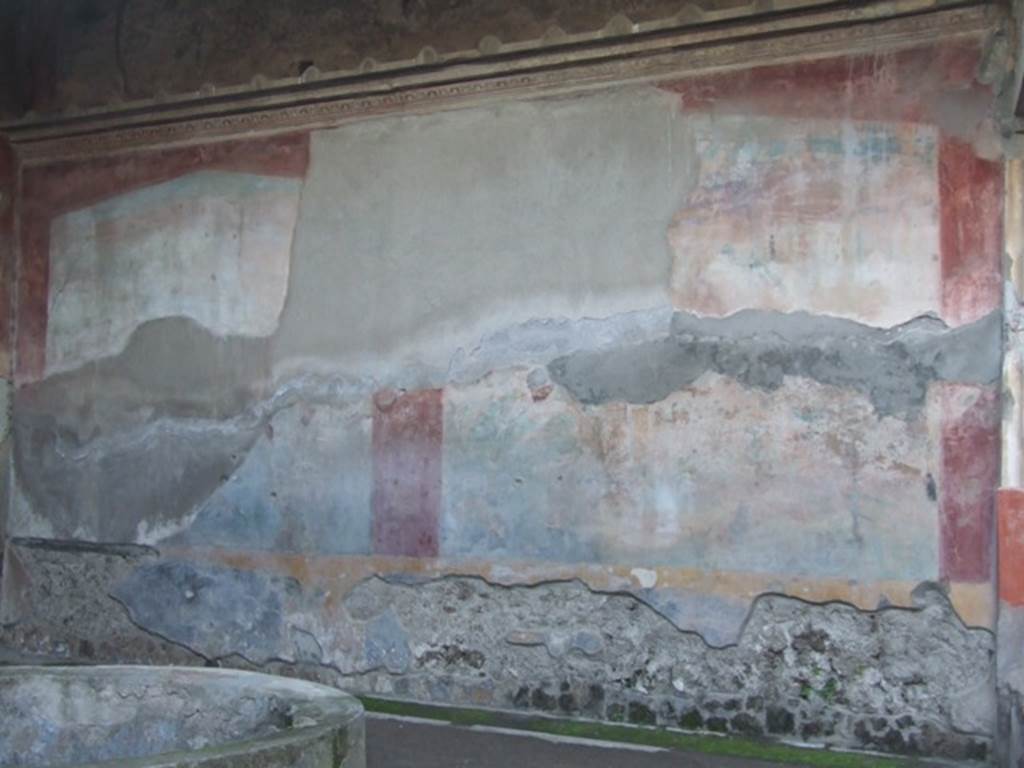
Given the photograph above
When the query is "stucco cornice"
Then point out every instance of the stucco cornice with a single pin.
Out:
(622, 52)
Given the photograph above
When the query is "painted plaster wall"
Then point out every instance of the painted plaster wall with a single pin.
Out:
(697, 353)
(8, 186)
(59, 55)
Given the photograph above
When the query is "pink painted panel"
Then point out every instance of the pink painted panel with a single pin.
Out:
(7, 192)
(1011, 546)
(798, 215)
(906, 86)
(971, 204)
(970, 474)
(407, 438)
(51, 190)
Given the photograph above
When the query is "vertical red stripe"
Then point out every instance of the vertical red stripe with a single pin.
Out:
(970, 207)
(1011, 545)
(7, 192)
(33, 293)
(407, 433)
(971, 210)
(970, 475)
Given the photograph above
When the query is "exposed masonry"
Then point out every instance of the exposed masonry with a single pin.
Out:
(66, 584)
(907, 680)
(820, 672)
(893, 367)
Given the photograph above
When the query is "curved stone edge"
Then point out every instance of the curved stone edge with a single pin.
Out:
(335, 735)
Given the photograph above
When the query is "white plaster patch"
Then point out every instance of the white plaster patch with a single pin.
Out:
(151, 533)
(213, 246)
(645, 577)
(836, 217)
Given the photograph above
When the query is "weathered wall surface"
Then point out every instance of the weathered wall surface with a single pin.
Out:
(8, 185)
(1010, 497)
(674, 403)
(76, 54)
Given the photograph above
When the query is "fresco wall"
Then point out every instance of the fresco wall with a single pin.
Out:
(8, 184)
(672, 402)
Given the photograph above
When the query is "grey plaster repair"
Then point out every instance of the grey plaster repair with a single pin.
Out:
(128, 448)
(145, 717)
(149, 379)
(893, 367)
(558, 214)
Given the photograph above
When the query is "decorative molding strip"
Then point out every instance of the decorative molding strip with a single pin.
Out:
(428, 86)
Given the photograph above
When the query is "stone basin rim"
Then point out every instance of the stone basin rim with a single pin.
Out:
(329, 710)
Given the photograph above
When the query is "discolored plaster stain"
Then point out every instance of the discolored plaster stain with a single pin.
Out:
(97, 488)
(216, 611)
(892, 367)
(135, 489)
(1011, 546)
(304, 487)
(149, 380)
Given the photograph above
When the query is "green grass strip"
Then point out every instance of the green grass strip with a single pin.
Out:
(732, 746)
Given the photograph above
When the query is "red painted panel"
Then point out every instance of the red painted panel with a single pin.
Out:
(924, 84)
(971, 211)
(7, 192)
(67, 186)
(970, 475)
(51, 190)
(33, 292)
(1011, 545)
(407, 434)
(899, 85)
